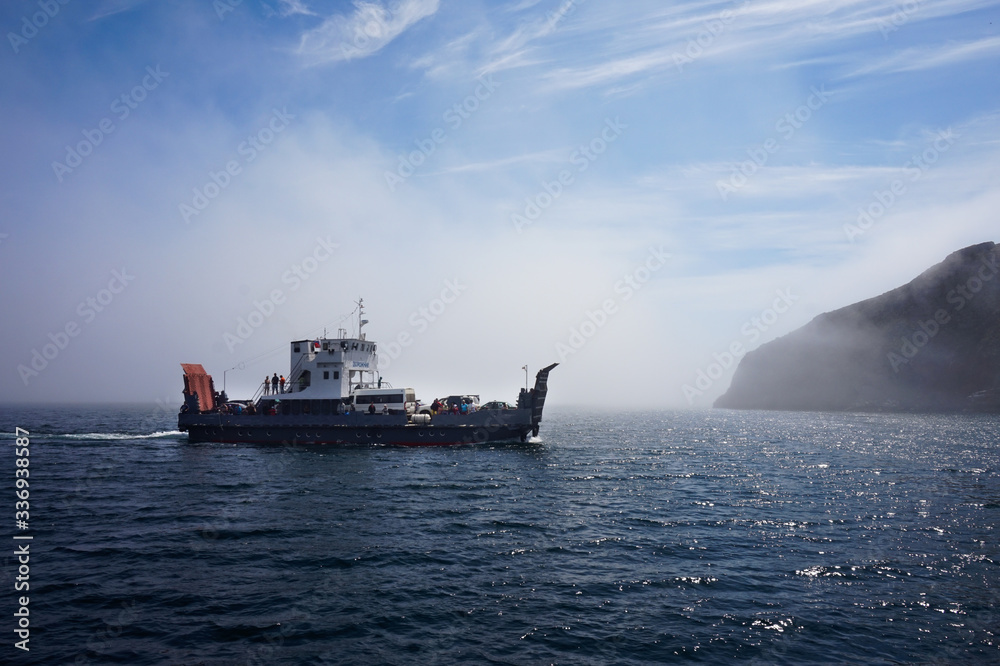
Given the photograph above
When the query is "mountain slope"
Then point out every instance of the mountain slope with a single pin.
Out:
(925, 346)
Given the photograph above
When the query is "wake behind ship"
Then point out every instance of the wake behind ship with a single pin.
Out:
(334, 395)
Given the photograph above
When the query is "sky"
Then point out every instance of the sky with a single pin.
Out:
(640, 191)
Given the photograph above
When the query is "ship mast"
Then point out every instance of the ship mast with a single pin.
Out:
(361, 320)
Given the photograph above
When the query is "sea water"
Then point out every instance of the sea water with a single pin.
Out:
(616, 537)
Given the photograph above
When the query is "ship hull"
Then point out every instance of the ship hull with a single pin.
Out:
(364, 429)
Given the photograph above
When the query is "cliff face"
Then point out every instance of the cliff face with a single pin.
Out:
(926, 346)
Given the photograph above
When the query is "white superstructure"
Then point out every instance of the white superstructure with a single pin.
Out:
(331, 368)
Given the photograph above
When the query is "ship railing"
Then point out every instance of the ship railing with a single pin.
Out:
(371, 385)
(289, 383)
(260, 391)
(294, 375)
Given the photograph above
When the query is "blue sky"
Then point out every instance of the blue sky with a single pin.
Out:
(631, 189)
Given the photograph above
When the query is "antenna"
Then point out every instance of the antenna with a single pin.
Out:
(361, 320)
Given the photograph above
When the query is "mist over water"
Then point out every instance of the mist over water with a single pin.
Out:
(768, 537)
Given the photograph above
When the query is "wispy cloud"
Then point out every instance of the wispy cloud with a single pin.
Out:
(915, 59)
(650, 40)
(364, 32)
(545, 156)
(447, 60)
(112, 7)
(612, 71)
(292, 7)
(524, 4)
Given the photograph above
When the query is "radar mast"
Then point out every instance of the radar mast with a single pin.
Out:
(361, 320)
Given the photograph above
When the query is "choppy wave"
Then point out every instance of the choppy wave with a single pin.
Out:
(620, 538)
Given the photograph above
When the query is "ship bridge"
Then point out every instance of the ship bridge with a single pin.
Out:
(330, 368)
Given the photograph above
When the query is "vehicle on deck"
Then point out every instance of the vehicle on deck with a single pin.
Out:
(498, 405)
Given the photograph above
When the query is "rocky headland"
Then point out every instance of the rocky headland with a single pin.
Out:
(932, 344)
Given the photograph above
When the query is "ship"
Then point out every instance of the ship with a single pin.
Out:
(334, 394)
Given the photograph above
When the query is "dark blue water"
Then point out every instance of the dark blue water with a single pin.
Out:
(624, 538)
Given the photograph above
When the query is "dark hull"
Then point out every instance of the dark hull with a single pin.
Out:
(352, 429)
(216, 425)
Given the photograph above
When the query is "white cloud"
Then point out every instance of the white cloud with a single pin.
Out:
(910, 60)
(363, 33)
(627, 44)
(544, 156)
(291, 7)
(447, 61)
(112, 7)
